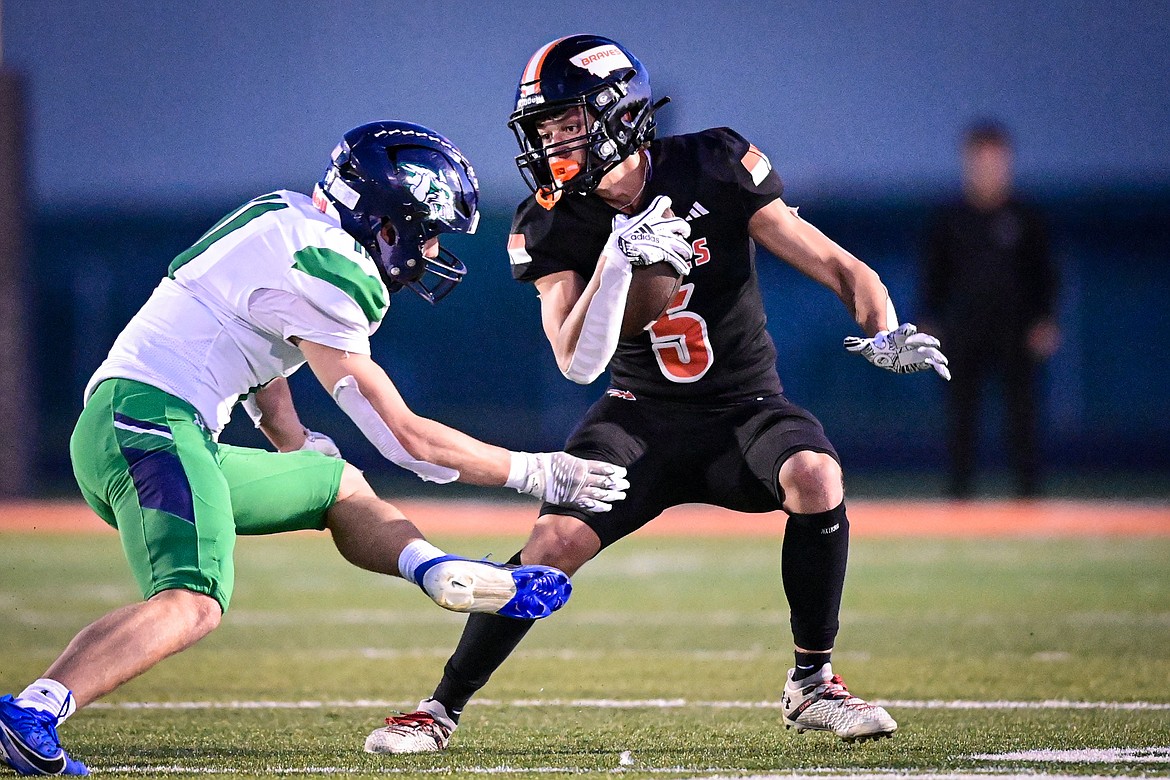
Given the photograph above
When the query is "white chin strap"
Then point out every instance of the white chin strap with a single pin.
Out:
(602, 325)
(349, 397)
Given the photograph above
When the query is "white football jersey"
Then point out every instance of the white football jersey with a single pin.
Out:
(218, 326)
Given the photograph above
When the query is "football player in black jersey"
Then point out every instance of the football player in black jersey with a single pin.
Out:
(695, 409)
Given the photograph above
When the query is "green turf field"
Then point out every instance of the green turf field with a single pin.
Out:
(667, 663)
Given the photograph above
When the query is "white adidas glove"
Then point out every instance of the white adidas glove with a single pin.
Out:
(562, 479)
(902, 350)
(319, 442)
(652, 237)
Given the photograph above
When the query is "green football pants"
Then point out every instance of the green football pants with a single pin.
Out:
(147, 465)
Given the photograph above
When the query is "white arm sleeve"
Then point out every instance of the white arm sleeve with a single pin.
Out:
(603, 321)
(349, 397)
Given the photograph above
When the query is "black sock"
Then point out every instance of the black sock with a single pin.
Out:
(808, 664)
(486, 643)
(815, 551)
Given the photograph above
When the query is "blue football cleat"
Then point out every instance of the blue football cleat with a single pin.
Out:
(524, 592)
(29, 744)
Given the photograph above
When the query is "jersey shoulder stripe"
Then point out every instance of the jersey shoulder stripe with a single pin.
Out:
(331, 266)
(237, 219)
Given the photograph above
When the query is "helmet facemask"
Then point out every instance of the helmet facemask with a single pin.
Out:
(405, 264)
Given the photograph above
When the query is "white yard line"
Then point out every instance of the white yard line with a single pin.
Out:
(877, 773)
(1156, 755)
(629, 704)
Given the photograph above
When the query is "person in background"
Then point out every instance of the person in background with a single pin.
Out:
(989, 289)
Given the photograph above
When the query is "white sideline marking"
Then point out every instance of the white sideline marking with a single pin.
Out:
(629, 704)
(1155, 755)
(1048, 704)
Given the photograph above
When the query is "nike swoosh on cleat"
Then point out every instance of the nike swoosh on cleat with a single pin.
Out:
(46, 766)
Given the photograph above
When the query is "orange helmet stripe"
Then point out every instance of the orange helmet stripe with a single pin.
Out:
(530, 80)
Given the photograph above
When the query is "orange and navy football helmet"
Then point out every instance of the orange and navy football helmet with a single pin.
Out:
(610, 84)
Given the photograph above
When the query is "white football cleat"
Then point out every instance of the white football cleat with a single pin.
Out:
(464, 585)
(821, 702)
(426, 730)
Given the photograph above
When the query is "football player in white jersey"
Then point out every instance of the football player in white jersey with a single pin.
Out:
(283, 280)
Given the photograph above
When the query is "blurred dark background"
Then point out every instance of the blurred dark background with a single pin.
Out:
(143, 123)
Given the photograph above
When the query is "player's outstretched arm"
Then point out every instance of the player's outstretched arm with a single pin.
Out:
(899, 348)
(779, 229)
(439, 453)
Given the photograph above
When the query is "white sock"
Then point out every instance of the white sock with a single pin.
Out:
(414, 555)
(48, 696)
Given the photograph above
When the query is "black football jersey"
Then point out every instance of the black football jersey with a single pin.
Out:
(711, 344)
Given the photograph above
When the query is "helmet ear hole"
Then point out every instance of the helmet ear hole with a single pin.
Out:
(387, 230)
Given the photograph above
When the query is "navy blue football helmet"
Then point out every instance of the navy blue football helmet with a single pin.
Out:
(610, 84)
(417, 181)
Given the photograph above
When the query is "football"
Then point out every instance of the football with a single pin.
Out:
(651, 289)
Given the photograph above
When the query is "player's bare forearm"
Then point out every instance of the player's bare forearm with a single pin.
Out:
(425, 440)
(279, 421)
(477, 462)
(866, 298)
(779, 229)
